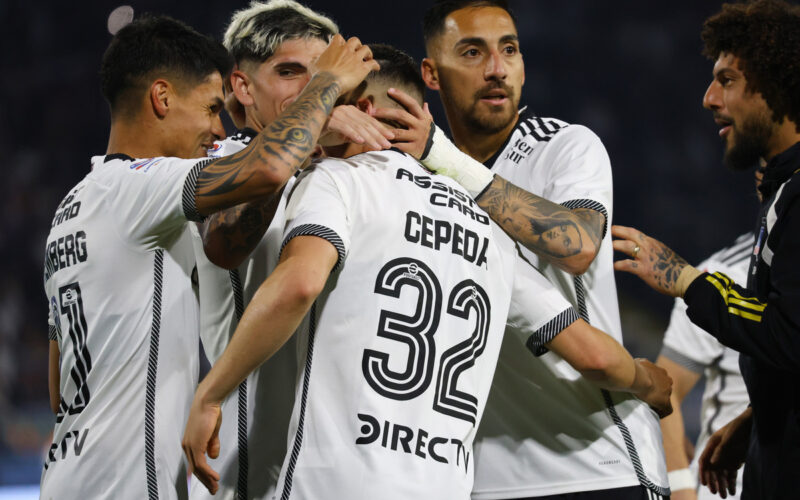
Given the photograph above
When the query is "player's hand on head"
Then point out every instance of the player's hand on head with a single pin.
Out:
(658, 397)
(347, 123)
(416, 122)
(349, 62)
(652, 261)
(201, 437)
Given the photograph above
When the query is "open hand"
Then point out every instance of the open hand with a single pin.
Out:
(415, 123)
(201, 436)
(725, 453)
(652, 261)
(349, 124)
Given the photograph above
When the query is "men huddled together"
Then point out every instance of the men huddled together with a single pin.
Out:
(391, 313)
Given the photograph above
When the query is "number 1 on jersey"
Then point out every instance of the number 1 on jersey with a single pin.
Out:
(72, 305)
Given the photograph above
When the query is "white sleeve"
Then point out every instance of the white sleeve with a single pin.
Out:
(579, 171)
(538, 311)
(156, 196)
(318, 206)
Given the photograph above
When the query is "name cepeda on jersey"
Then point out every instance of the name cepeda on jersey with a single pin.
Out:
(446, 195)
(403, 439)
(433, 233)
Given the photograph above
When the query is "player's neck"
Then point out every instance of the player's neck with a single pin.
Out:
(252, 122)
(785, 136)
(478, 144)
(134, 139)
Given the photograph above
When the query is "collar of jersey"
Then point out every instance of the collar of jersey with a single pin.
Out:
(522, 114)
(247, 132)
(779, 169)
(117, 156)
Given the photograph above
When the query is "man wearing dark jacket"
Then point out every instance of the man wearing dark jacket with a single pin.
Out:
(755, 99)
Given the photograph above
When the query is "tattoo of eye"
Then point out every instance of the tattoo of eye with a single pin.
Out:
(282, 147)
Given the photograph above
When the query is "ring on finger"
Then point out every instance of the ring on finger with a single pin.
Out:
(635, 252)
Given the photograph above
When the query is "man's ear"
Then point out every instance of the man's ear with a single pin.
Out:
(366, 104)
(241, 83)
(160, 95)
(430, 74)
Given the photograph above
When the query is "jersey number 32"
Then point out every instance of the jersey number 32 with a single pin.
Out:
(417, 331)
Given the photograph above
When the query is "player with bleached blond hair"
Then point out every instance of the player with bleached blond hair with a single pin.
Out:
(274, 45)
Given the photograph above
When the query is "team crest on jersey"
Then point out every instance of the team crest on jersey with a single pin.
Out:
(412, 271)
(68, 297)
(145, 164)
(217, 146)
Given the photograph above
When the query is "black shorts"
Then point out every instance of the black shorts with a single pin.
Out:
(629, 493)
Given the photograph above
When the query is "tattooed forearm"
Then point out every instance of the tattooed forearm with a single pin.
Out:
(230, 235)
(556, 233)
(594, 223)
(273, 155)
(666, 265)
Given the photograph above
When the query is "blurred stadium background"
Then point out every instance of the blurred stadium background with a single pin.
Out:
(632, 71)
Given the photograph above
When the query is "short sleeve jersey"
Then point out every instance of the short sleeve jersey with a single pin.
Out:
(398, 354)
(117, 274)
(255, 417)
(725, 394)
(547, 430)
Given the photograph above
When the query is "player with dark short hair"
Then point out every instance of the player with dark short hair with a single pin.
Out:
(119, 259)
(546, 432)
(274, 44)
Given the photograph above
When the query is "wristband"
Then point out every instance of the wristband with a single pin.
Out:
(681, 479)
(687, 276)
(444, 158)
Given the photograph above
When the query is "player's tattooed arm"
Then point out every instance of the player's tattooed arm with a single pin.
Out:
(261, 169)
(567, 238)
(230, 235)
(652, 261)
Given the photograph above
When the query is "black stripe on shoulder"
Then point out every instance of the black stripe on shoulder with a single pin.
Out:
(542, 129)
(592, 205)
(321, 232)
(548, 332)
(190, 191)
(528, 124)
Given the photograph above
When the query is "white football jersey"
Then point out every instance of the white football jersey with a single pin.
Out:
(255, 417)
(398, 355)
(547, 430)
(725, 395)
(118, 267)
